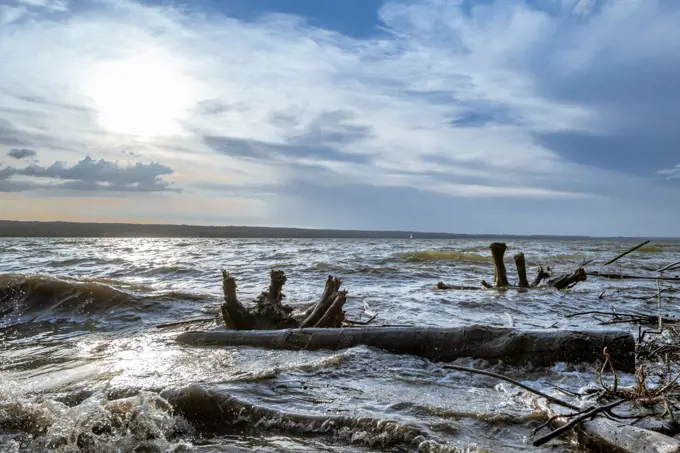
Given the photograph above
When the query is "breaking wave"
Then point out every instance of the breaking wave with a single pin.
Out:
(144, 422)
(441, 255)
(35, 298)
(216, 411)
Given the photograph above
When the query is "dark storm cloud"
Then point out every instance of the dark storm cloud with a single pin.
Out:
(87, 175)
(21, 153)
(332, 129)
(633, 88)
(321, 139)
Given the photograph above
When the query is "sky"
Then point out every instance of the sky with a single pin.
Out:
(463, 116)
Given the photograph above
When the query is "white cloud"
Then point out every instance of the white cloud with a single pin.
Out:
(671, 173)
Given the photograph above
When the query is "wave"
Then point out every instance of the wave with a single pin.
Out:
(651, 249)
(145, 422)
(323, 266)
(85, 260)
(214, 410)
(36, 298)
(319, 364)
(441, 255)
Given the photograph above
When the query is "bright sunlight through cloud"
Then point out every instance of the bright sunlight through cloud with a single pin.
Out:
(145, 96)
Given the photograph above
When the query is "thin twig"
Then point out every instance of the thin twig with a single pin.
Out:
(625, 253)
(669, 266)
(579, 419)
(360, 323)
(182, 323)
(514, 382)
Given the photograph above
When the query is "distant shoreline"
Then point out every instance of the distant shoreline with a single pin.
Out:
(11, 228)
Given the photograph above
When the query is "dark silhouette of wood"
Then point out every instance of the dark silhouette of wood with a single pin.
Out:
(669, 267)
(270, 313)
(521, 271)
(618, 276)
(512, 346)
(442, 285)
(569, 280)
(234, 314)
(500, 275)
(184, 323)
(540, 276)
(334, 316)
(617, 257)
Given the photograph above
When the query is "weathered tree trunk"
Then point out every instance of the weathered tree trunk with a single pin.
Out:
(234, 313)
(270, 313)
(444, 344)
(334, 316)
(315, 313)
(569, 280)
(521, 271)
(500, 275)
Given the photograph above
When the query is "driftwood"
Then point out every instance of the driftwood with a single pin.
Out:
(184, 323)
(270, 312)
(316, 312)
(569, 280)
(498, 249)
(617, 276)
(443, 344)
(630, 250)
(540, 276)
(522, 281)
(601, 432)
(671, 266)
(500, 275)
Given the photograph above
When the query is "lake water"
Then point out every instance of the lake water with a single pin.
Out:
(82, 365)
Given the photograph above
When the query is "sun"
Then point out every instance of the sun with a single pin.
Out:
(145, 96)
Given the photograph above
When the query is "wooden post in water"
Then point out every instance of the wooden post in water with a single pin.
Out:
(521, 271)
(500, 275)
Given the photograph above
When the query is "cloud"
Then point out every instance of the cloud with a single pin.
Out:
(87, 175)
(511, 101)
(21, 153)
(671, 173)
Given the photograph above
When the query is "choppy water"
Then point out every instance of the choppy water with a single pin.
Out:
(83, 368)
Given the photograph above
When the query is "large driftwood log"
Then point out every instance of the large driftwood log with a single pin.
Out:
(443, 344)
(270, 313)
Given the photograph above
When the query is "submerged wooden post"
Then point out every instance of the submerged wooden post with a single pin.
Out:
(521, 271)
(500, 275)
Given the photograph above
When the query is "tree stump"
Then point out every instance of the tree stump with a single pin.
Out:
(270, 313)
(521, 271)
(500, 275)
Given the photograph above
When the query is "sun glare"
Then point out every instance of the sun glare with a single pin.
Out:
(142, 96)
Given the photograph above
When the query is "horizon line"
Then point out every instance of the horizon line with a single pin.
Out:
(103, 229)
